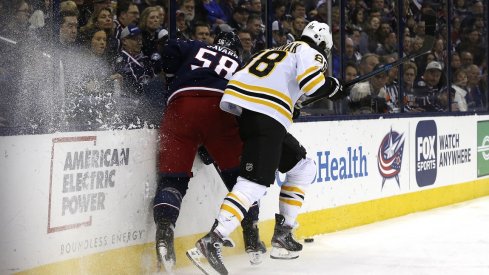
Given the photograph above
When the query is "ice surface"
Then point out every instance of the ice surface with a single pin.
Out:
(449, 240)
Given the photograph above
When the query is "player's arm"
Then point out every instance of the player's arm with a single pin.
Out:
(312, 81)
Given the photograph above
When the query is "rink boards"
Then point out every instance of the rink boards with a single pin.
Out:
(80, 203)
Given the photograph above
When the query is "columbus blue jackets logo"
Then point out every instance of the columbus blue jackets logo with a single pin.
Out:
(389, 158)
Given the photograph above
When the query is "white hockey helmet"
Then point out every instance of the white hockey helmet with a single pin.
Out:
(320, 34)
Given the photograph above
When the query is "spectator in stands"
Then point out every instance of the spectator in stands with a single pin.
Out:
(477, 93)
(407, 45)
(132, 64)
(439, 50)
(150, 26)
(239, 18)
(17, 27)
(69, 6)
(254, 26)
(460, 8)
(467, 59)
(127, 13)
(471, 42)
(368, 37)
(92, 103)
(182, 25)
(420, 28)
(202, 32)
(298, 9)
(88, 8)
(279, 37)
(388, 44)
(409, 76)
(369, 97)
(351, 55)
(341, 106)
(367, 63)
(162, 15)
(358, 18)
(244, 3)
(102, 19)
(351, 71)
(247, 43)
(427, 89)
(460, 87)
(279, 9)
(68, 30)
(456, 62)
(188, 8)
(298, 24)
(215, 15)
(227, 6)
(392, 85)
(255, 7)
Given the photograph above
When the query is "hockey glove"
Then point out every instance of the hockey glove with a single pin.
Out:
(335, 88)
(296, 113)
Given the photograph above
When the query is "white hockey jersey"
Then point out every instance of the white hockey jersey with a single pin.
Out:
(274, 80)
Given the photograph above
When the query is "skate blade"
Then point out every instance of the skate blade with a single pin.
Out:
(283, 254)
(256, 257)
(168, 265)
(196, 257)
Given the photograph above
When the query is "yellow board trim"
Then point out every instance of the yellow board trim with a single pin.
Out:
(140, 259)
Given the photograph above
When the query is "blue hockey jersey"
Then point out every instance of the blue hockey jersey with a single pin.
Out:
(193, 65)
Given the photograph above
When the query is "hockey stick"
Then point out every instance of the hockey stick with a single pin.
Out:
(428, 42)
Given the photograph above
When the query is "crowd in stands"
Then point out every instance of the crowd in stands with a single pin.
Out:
(97, 62)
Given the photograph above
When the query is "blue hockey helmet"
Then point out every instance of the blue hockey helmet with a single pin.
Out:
(229, 40)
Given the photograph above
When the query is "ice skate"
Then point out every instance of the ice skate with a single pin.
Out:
(283, 244)
(209, 247)
(165, 249)
(253, 245)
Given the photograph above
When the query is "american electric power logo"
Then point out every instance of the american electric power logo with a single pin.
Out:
(82, 178)
(389, 157)
(426, 153)
(482, 148)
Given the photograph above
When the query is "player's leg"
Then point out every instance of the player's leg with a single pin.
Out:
(300, 173)
(227, 162)
(177, 152)
(262, 137)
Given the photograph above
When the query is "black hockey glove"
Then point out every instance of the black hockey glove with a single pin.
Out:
(204, 155)
(335, 88)
(296, 113)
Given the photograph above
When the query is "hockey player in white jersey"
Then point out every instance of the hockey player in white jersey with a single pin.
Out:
(263, 95)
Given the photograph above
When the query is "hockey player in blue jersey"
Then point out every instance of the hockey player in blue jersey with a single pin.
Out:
(198, 74)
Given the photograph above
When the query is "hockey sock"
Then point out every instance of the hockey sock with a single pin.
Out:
(168, 198)
(292, 192)
(290, 202)
(236, 204)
